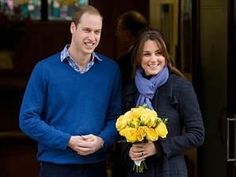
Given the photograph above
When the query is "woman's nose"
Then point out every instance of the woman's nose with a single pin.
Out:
(153, 58)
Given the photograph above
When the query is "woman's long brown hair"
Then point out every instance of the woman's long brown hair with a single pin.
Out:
(154, 35)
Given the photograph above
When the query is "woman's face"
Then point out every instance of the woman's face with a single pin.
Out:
(152, 60)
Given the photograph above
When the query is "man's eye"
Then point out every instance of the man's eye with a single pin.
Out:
(86, 30)
(97, 32)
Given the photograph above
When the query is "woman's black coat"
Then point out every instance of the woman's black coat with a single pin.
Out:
(176, 101)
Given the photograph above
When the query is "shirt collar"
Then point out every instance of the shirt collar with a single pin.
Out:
(65, 54)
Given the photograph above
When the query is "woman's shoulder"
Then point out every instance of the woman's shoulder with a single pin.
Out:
(177, 85)
(178, 81)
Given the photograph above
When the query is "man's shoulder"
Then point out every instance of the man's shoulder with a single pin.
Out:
(102, 56)
(52, 58)
(49, 61)
(107, 60)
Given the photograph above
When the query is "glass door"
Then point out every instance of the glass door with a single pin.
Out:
(63, 9)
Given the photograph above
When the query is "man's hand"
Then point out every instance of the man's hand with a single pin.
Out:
(86, 144)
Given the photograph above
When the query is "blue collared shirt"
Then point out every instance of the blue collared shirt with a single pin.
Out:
(66, 56)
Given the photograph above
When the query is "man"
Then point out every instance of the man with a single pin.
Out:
(129, 25)
(71, 103)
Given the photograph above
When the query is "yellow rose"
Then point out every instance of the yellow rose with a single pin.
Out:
(149, 117)
(128, 116)
(151, 134)
(121, 123)
(137, 112)
(141, 134)
(161, 129)
(130, 134)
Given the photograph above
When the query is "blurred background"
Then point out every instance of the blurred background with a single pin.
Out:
(201, 38)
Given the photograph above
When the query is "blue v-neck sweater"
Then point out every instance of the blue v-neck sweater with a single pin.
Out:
(60, 102)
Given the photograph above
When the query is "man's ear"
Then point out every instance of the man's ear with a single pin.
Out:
(72, 27)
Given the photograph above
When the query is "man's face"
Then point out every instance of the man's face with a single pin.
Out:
(86, 35)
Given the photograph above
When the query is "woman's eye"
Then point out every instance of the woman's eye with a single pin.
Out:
(158, 53)
(146, 54)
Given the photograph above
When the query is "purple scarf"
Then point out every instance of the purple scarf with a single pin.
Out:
(148, 87)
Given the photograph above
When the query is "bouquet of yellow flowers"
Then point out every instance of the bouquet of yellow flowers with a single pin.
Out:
(141, 124)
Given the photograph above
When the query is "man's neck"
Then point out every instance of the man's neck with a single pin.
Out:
(81, 59)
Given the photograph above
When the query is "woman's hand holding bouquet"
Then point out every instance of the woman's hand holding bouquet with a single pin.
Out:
(141, 126)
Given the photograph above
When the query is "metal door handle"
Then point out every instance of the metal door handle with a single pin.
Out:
(231, 130)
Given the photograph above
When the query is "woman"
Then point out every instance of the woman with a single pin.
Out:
(159, 85)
